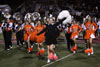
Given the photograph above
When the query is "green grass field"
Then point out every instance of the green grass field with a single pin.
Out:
(1, 36)
(18, 57)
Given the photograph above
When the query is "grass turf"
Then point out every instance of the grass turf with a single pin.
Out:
(1, 36)
(18, 57)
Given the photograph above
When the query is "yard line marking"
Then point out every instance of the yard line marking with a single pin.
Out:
(57, 60)
(60, 59)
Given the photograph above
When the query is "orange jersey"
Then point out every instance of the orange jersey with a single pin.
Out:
(89, 26)
(41, 37)
(33, 36)
(75, 28)
(28, 29)
(94, 26)
(75, 31)
(90, 29)
(39, 28)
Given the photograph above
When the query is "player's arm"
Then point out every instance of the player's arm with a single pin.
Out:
(59, 22)
(95, 26)
(32, 27)
(42, 31)
(26, 31)
(72, 28)
(80, 29)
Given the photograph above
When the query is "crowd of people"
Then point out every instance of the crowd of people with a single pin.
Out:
(34, 29)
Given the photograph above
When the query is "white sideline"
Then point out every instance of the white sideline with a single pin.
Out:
(60, 59)
(57, 60)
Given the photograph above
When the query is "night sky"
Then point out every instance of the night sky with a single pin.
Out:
(12, 3)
